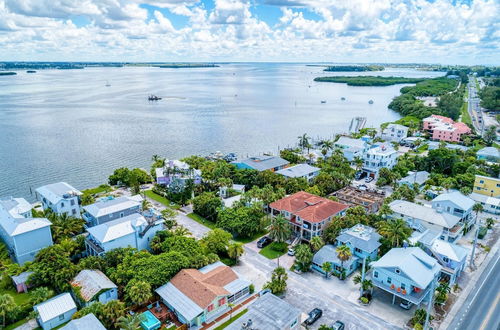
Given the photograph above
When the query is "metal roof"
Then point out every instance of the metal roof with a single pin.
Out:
(452, 251)
(424, 213)
(298, 170)
(91, 282)
(111, 230)
(361, 237)
(58, 191)
(55, 306)
(113, 205)
(87, 322)
(237, 285)
(179, 301)
(413, 262)
(350, 143)
(13, 223)
(268, 312)
(457, 198)
(15, 206)
(418, 177)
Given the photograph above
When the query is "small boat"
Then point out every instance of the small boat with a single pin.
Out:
(153, 98)
(323, 101)
(107, 84)
(370, 102)
(342, 98)
(31, 71)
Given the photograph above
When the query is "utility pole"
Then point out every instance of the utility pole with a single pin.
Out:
(429, 306)
(474, 246)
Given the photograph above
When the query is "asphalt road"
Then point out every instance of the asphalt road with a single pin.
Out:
(474, 108)
(481, 309)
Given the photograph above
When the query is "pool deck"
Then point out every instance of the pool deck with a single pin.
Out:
(163, 314)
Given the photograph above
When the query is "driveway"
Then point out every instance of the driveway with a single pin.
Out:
(311, 290)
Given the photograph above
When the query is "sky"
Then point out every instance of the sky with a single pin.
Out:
(344, 31)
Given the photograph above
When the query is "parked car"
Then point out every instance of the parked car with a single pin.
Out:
(359, 175)
(314, 315)
(405, 304)
(263, 242)
(263, 292)
(291, 252)
(362, 187)
(369, 179)
(338, 325)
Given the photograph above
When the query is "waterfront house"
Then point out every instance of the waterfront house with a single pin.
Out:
(21, 281)
(130, 231)
(490, 204)
(200, 295)
(305, 171)
(415, 178)
(363, 241)
(378, 157)
(307, 213)
(352, 148)
(490, 154)
(423, 217)
(270, 313)
(407, 273)
(87, 322)
(457, 204)
(176, 173)
(55, 311)
(111, 208)
(370, 200)
(61, 198)
(445, 129)
(487, 186)
(394, 132)
(90, 286)
(22, 234)
(262, 163)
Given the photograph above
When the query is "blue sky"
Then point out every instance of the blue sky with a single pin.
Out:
(434, 31)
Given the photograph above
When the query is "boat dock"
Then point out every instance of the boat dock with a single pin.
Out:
(357, 124)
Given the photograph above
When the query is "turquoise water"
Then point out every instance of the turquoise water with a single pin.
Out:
(150, 321)
(66, 125)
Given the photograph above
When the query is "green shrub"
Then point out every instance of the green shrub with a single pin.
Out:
(251, 288)
(279, 247)
(364, 300)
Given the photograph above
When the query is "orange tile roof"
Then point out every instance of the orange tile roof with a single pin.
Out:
(204, 288)
(308, 206)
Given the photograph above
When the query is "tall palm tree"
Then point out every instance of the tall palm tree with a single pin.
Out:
(303, 141)
(358, 161)
(326, 145)
(477, 208)
(235, 250)
(317, 243)
(7, 304)
(327, 268)
(395, 230)
(279, 229)
(145, 205)
(130, 322)
(343, 253)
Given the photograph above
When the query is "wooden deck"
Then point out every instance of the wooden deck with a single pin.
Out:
(162, 313)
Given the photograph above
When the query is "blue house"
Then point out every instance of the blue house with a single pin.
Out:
(89, 321)
(262, 163)
(55, 311)
(490, 154)
(352, 148)
(61, 198)
(415, 178)
(457, 204)
(363, 242)
(111, 208)
(406, 273)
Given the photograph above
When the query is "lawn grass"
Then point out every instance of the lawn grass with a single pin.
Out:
(19, 298)
(228, 322)
(15, 325)
(161, 199)
(97, 190)
(201, 220)
(269, 253)
(252, 238)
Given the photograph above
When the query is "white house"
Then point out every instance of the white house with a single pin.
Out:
(23, 235)
(91, 286)
(305, 171)
(456, 203)
(352, 148)
(490, 204)
(130, 231)
(111, 208)
(394, 132)
(380, 156)
(55, 311)
(61, 198)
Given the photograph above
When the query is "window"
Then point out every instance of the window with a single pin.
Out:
(73, 211)
(222, 301)
(375, 274)
(122, 215)
(293, 323)
(389, 280)
(398, 271)
(210, 308)
(481, 181)
(62, 204)
(403, 286)
(445, 259)
(72, 202)
(358, 250)
(61, 317)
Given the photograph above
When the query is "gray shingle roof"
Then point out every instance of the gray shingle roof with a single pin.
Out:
(87, 322)
(361, 237)
(111, 230)
(268, 312)
(109, 206)
(298, 170)
(419, 178)
(457, 198)
(424, 213)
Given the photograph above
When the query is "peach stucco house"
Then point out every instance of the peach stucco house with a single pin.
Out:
(445, 129)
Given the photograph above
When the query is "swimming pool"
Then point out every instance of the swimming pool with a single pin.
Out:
(150, 322)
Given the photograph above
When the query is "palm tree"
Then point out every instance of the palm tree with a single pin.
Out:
(358, 161)
(235, 250)
(395, 230)
(326, 145)
(7, 304)
(477, 208)
(303, 141)
(138, 292)
(279, 229)
(327, 268)
(230, 305)
(130, 322)
(145, 205)
(112, 311)
(317, 243)
(343, 253)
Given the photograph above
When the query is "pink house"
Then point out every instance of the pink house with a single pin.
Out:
(445, 129)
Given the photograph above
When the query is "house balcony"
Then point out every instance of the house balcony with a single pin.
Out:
(413, 295)
(96, 247)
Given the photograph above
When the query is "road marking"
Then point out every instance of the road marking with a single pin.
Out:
(492, 309)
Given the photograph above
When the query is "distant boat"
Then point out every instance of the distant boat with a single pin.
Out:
(370, 102)
(107, 84)
(342, 98)
(153, 98)
(31, 71)
(323, 101)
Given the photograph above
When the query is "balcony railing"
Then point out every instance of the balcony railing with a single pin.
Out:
(94, 245)
(411, 295)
